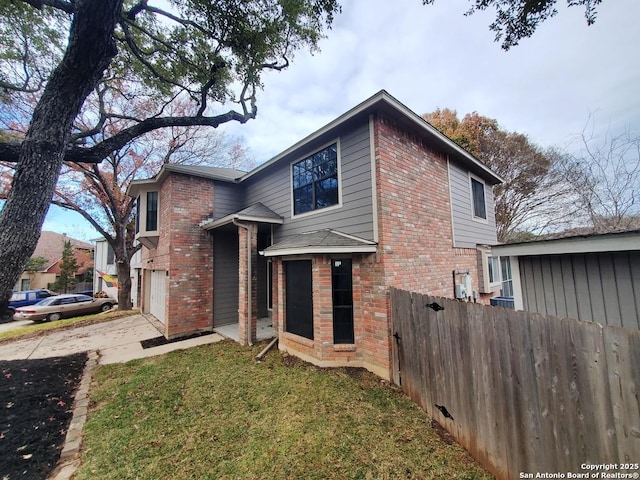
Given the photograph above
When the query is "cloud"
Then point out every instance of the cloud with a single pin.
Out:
(434, 56)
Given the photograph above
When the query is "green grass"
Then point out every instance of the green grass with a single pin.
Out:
(212, 412)
(38, 329)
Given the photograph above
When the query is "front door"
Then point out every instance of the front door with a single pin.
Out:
(299, 298)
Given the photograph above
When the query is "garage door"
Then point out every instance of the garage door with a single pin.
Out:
(157, 294)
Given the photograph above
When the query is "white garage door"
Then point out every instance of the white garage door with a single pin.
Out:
(157, 294)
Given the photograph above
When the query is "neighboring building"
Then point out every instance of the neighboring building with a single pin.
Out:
(593, 277)
(50, 246)
(315, 237)
(106, 272)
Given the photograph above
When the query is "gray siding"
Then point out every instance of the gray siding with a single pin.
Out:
(225, 273)
(467, 232)
(600, 287)
(228, 199)
(355, 217)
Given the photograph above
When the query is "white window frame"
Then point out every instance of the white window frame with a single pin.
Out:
(486, 285)
(475, 218)
(149, 238)
(339, 168)
(142, 214)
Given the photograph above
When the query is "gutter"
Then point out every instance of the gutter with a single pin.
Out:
(249, 282)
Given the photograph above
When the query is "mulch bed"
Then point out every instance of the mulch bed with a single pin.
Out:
(36, 400)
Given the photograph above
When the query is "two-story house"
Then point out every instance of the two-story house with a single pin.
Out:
(315, 237)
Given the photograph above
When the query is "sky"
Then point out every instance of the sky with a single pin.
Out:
(566, 77)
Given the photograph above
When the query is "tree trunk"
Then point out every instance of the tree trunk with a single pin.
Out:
(90, 50)
(124, 283)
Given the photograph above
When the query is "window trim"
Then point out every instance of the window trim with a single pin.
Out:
(474, 217)
(148, 238)
(484, 285)
(335, 141)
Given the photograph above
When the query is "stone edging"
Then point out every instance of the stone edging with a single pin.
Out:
(69, 457)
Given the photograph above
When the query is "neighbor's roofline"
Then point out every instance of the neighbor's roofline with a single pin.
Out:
(591, 243)
(382, 97)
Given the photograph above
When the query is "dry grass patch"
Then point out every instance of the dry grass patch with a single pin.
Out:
(212, 412)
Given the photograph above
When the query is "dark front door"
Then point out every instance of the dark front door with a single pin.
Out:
(299, 298)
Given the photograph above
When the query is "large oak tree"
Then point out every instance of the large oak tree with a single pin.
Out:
(59, 51)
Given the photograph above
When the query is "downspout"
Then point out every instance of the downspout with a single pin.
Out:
(249, 282)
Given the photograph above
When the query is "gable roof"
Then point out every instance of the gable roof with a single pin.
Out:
(253, 213)
(51, 244)
(628, 240)
(320, 241)
(382, 102)
(214, 173)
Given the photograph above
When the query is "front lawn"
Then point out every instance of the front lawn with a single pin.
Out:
(212, 412)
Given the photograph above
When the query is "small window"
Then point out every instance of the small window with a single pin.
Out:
(507, 277)
(110, 255)
(494, 269)
(269, 284)
(315, 181)
(138, 215)
(478, 198)
(152, 211)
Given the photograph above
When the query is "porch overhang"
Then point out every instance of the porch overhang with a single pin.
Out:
(256, 213)
(329, 242)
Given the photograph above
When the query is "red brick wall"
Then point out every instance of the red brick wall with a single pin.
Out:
(416, 249)
(414, 208)
(415, 252)
(186, 251)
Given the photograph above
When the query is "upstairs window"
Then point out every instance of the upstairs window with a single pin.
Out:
(315, 181)
(152, 211)
(478, 199)
(147, 221)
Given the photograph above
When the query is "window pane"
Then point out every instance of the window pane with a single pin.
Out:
(302, 199)
(138, 215)
(479, 208)
(326, 192)
(494, 269)
(152, 211)
(111, 255)
(506, 268)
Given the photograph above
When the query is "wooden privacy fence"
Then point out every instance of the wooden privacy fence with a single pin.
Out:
(527, 393)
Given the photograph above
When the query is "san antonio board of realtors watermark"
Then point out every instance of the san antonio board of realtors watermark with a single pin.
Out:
(590, 470)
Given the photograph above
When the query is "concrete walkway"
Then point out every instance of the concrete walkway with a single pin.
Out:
(115, 341)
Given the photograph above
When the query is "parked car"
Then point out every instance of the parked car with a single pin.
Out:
(64, 306)
(24, 298)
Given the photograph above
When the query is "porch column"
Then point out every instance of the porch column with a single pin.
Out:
(248, 235)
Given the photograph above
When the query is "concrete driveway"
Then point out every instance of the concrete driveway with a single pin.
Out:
(5, 327)
(115, 341)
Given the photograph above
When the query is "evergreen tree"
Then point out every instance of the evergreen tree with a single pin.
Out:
(68, 268)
